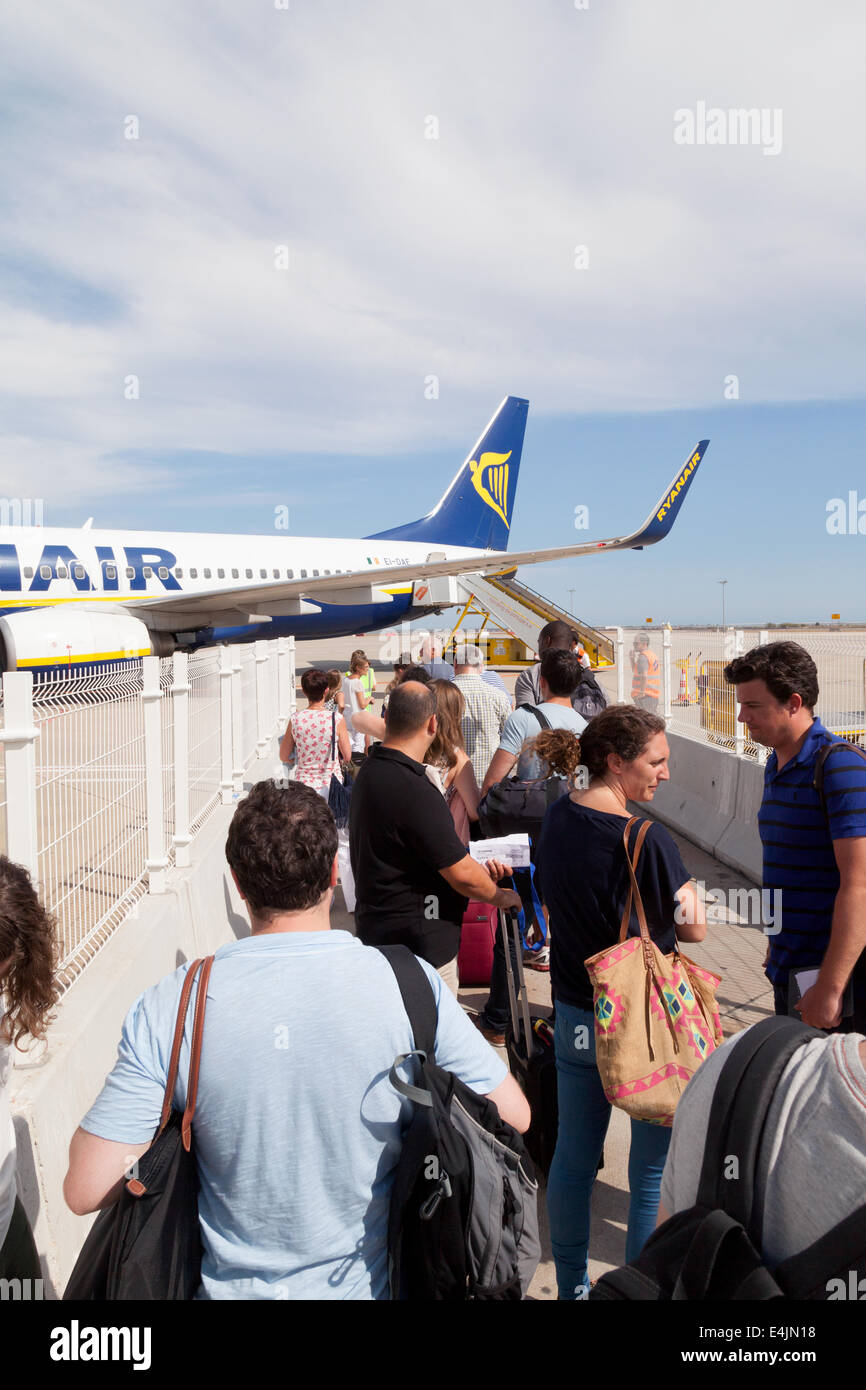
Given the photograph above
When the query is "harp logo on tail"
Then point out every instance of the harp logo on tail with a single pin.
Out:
(490, 481)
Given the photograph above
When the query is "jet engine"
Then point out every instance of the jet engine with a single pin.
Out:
(63, 637)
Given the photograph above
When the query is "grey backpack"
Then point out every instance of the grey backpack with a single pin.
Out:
(463, 1219)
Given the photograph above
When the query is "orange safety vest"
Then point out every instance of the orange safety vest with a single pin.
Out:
(652, 687)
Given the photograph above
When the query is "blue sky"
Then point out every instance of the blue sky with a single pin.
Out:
(265, 137)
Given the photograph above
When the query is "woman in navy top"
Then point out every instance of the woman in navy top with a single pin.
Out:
(583, 877)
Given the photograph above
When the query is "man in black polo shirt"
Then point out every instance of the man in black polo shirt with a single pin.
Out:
(413, 874)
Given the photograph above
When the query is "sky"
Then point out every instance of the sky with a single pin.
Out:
(255, 256)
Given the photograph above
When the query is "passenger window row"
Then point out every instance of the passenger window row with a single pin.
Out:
(110, 572)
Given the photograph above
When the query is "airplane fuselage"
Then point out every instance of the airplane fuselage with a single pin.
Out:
(123, 570)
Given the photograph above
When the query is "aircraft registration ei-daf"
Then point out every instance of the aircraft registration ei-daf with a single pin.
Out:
(74, 598)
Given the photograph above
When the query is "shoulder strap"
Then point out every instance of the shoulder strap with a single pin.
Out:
(737, 1122)
(418, 998)
(542, 718)
(818, 776)
(182, 1009)
(633, 890)
(333, 733)
(195, 1054)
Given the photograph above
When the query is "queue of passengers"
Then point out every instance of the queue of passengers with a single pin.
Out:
(295, 1144)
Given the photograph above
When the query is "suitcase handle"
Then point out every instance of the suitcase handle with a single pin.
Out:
(518, 998)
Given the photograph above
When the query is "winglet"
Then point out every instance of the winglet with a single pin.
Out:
(666, 510)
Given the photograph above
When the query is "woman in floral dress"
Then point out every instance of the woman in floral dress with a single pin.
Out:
(312, 733)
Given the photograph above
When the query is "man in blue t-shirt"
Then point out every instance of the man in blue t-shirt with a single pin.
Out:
(558, 679)
(297, 1127)
(814, 867)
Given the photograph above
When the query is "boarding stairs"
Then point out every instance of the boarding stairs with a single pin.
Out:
(523, 612)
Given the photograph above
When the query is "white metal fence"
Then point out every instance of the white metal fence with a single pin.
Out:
(698, 703)
(107, 776)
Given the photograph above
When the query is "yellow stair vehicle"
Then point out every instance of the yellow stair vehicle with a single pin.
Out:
(520, 614)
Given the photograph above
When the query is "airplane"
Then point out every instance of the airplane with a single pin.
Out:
(77, 598)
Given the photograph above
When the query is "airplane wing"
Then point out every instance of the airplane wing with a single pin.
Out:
(283, 596)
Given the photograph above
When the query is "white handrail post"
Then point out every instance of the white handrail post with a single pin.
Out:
(19, 738)
(739, 736)
(180, 710)
(274, 668)
(237, 719)
(226, 779)
(151, 695)
(263, 729)
(763, 751)
(620, 666)
(293, 694)
(666, 675)
(284, 662)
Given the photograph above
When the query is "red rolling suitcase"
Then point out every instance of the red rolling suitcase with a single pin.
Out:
(477, 935)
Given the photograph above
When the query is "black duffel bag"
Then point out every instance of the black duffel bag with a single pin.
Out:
(518, 808)
(514, 807)
(148, 1244)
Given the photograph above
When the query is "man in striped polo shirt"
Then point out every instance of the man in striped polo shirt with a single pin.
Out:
(815, 868)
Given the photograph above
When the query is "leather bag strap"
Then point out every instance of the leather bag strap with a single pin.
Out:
(632, 863)
(195, 1055)
(182, 1009)
(646, 940)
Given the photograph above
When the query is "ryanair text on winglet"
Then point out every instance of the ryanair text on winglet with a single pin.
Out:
(668, 502)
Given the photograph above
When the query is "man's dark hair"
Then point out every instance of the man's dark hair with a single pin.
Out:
(416, 673)
(556, 636)
(786, 669)
(621, 729)
(281, 845)
(314, 684)
(409, 709)
(561, 671)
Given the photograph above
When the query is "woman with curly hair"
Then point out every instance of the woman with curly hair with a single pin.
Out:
(28, 992)
(448, 756)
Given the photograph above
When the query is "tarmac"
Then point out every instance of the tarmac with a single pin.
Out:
(732, 949)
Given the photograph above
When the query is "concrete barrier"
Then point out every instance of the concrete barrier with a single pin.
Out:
(713, 798)
(51, 1093)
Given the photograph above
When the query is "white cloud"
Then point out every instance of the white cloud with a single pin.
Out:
(409, 256)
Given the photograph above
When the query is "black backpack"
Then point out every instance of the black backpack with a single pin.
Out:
(463, 1220)
(711, 1251)
(589, 699)
(514, 807)
(818, 774)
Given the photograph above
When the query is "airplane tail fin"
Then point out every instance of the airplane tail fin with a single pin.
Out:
(476, 510)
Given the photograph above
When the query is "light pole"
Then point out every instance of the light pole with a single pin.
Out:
(571, 594)
(723, 582)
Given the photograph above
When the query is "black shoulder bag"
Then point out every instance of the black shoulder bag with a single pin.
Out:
(339, 795)
(513, 807)
(148, 1244)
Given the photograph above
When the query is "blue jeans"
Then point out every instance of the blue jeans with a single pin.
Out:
(584, 1114)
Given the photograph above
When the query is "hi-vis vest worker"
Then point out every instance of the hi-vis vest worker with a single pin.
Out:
(652, 683)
